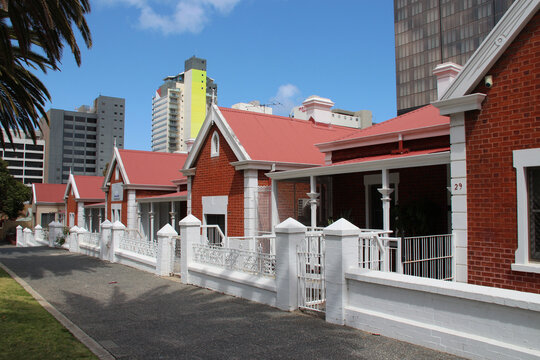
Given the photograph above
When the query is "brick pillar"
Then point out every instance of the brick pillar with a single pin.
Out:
(131, 210)
(73, 239)
(105, 252)
(190, 233)
(164, 261)
(288, 235)
(341, 244)
(20, 239)
(118, 230)
(56, 230)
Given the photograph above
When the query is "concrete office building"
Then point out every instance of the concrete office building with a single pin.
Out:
(24, 158)
(179, 106)
(82, 141)
(432, 32)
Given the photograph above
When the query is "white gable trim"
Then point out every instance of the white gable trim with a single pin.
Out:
(116, 160)
(71, 184)
(215, 117)
(493, 46)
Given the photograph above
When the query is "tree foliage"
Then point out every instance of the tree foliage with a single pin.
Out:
(13, 193)
(27, 30)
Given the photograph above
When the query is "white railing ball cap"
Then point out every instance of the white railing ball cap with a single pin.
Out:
(342, 227)
(290, 226)
(167, 230)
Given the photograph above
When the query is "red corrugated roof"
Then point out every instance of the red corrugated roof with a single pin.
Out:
(89, 187)
(423, 117)
(152, 168)
(49, 193)
(282, 139)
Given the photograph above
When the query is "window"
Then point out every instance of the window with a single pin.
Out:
(527, 165)
(214, 151)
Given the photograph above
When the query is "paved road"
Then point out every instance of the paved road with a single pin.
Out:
(136, 315)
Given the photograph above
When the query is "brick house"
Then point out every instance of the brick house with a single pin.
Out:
(227, 165)
(399, 165)
(48, 203)
(84, 201)
(145, 190)
(494, 106)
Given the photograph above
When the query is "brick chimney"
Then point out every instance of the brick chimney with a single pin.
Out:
(446, 74)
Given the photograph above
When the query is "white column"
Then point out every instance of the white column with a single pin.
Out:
(190, 230)
(341, 242)
(131, 210)
(26, 235)
(139, 217)
(458, 188)
(105, 250)
(274, 204)
(73, 239)
(313, 195)
(188, 195)
(250, 204)
(20, 239)
(80, 214)
(288, 235)
(151, 215)
(172, 213)
(56, 230)
(164, 261)
(38, 235)
(385, 192)
(118, 230)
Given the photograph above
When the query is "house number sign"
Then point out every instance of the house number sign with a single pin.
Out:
(458, 186)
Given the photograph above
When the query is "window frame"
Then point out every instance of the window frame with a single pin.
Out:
(524, 159)
(214, 145)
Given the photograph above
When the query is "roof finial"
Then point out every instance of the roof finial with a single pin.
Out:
(114, 145)
(213, 96)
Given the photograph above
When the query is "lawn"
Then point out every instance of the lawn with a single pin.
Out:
(28, 331)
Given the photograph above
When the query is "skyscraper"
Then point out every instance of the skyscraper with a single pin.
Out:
(431, 32)
(82, 141)
(179, 106)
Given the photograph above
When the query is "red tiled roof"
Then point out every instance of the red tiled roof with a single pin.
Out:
(152, 168)
(49, 193)
(282, 139)
(89, 187)
(390, 156)
(423, 117)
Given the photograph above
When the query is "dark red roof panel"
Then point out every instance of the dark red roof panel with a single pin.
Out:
(49, 193)
(152, 168)
(89, 187)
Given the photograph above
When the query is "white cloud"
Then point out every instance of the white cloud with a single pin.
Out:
(176, 17)
(287, 97)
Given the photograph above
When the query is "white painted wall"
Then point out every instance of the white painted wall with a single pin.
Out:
(467, 320)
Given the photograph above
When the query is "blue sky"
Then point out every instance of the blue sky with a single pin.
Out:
(266, 50)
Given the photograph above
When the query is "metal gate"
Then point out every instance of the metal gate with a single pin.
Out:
(311, 278)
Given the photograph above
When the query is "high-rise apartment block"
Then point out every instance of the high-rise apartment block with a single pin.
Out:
(24, 157)
(82, 141)
(179, 106)
(431, 32)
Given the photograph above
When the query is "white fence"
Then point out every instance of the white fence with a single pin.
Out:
(349, 274)
(428, 256)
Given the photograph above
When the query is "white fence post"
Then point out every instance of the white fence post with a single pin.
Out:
(27, 237)
(288, 235)
(73, 239)
(165, 253)
(55, 231)
(118, 230)
(20, 239)
(190, 233)
(105, 241)
(38, 235)
(341, 241)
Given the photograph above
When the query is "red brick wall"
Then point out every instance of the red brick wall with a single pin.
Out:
(123, 202)
(71, 208)
(215, 176)
(384, 149)
(509, 120)
(288, 195)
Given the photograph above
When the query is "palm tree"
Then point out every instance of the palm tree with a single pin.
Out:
(28, 29)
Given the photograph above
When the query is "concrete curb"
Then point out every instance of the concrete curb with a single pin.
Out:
(83, 337)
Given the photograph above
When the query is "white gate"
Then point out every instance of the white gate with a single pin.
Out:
(311, 278)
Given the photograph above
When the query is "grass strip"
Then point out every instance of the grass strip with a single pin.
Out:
(28, 331)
